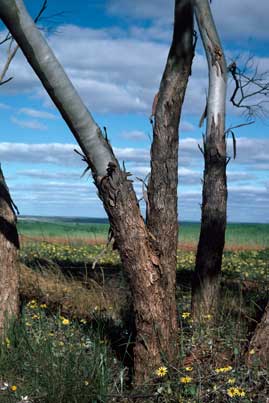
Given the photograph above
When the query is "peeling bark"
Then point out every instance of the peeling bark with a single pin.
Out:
(9, 245)
(205, 287)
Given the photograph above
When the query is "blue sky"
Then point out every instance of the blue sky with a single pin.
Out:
(114, 51)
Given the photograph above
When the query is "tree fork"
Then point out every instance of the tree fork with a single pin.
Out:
(154, 329)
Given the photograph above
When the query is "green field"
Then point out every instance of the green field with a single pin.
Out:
(248, 235)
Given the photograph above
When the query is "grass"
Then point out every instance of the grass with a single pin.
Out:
(237, 235)
(50, 358)
(68, 231)
(71, 342)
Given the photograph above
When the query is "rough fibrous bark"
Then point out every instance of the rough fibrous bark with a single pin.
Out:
(162, 212)
(143, 260)
(9, 244)
(205, 288)
(259, 346)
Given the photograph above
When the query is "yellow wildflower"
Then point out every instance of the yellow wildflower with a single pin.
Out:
(13, 388)
(186, 315)
(241, 392)
(43, 306)
(188, 369)
(234, 391)
(32, 304)
(160, 372)
(65, 321)
(185, 379)
(231, 381)
(223, 369)
(7, 342)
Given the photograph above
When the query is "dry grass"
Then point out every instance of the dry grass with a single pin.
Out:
(73, 297)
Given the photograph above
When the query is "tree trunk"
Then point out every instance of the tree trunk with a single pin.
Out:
(259, 345)
(162, 212)
(155, 319)
(9, 245)
(205, 287)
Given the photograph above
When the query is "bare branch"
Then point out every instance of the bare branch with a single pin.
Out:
(237, 126)
(43, 8)
(12, 53)
(250, 85)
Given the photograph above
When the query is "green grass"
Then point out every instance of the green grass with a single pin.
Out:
(66, 230)
(249, 235)
(53, 359)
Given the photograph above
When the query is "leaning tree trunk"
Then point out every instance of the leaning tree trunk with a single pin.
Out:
(205, 288)
(154, 317)
(162, 212)
(259, 345)
(9, 245)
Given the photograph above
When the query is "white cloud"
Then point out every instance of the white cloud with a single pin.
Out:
(42, 174)
(235, 19)
(135, 135)
(28, 124)
(116, 73)
(35, 113)
(4, 106)
(251, 152)
(186, 127)
(248, 189)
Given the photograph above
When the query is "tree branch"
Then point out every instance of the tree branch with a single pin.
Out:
(249, 84)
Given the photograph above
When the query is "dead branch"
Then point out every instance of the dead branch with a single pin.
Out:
(10, 56)
(251, 89)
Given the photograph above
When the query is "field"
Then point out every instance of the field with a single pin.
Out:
(246, 236)
(73, 341)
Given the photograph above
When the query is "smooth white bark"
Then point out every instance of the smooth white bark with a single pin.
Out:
(217, 68)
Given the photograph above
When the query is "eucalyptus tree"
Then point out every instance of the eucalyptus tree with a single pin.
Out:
(147, 256)
(9, 245)
(205, 287)
(9, 239)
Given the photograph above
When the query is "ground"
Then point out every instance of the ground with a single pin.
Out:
(73, 340)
